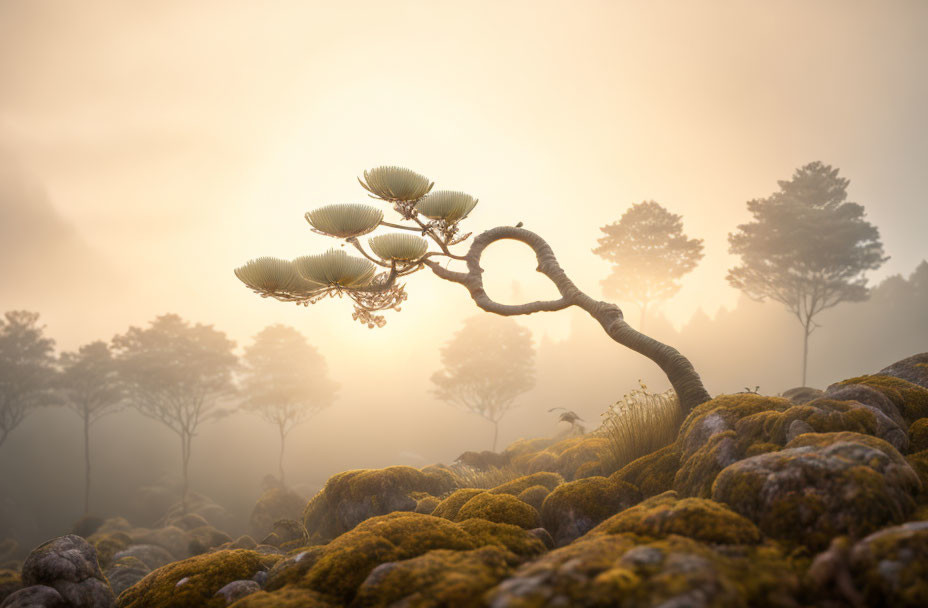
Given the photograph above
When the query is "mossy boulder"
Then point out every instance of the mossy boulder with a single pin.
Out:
(500, 508)
(449, 507)
(911, 400)
(575, 507)
(518, 541)
(125, 572)
(579, 454)
(351, 497)
(204, 538)
(700, 519)
(652, 474)
(426, 504)
(187, 521)
(193, 582)
(821, 486)
(625, 570)
(107, 545)
(890, 567)
(152, 556)
(274, 504)
(515, 487)
(918, 435)
(286, 533)
(437, 578)
(729, 428)
(288, 597)
(68, 564)
(912, 369)
(534, 495)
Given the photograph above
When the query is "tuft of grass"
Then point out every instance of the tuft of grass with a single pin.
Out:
(640, 423)
(469, 477)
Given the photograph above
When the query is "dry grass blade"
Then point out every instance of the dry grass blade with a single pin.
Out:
(396, 184)
(345, 220)
(403, 247)
(469, 477)
(274, 275)
(446, 205)
(641, 423)
(336, 268)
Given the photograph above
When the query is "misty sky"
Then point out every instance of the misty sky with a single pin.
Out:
(148, 148)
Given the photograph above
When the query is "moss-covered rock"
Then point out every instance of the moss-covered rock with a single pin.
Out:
(204, 538)
(288, 597)
(286, 532)
(890, 567)
(587, 449)
(627, 571)
(575, 507)
(351, 497)
(910, 399)
(426, 504)
(449, 507)
(522, 543)
(125, 572)
(500, 508)
(107, 545)
(516, 486)
(913, 369)
(696, 518)
(68, 564)
(918, 435)
(187, 521)
(652, 474)
(534, 496)
(821, 486)
(192, 582)
(437, 578)
(276, 503)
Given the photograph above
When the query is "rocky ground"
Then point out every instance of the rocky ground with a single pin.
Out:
(812, 499)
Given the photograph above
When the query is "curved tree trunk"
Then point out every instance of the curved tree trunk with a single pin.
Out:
(680, 372)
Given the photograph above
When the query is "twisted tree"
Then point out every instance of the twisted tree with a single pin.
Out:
(434, 219)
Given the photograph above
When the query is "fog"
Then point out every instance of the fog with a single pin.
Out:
(148, 149)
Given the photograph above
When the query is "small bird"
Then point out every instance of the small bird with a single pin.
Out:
(519, 225)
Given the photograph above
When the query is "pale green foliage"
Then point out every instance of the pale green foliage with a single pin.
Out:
(336, 268)
(396, 184)
(446, 205)
(641, 423)
(345, 220)
(268, 274)
(404, 247)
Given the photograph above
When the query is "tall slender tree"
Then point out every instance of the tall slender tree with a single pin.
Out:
(178, 374)
(27, 368)
(487, 365)
(285, 381)
(807, 248)
(649, 254)
(91, 388)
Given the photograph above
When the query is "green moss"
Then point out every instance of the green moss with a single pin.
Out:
(500, 508)
(534, 496)
(516, 486)
(288, 597)
(911, 399)
(449, 507)
(574, 508)
(437, 578)
(276, 503)
(919, 462)
(439, 479)
(698, 472)
(192, 582)
(918, 435)
(10, 581)
(517, 541)
(588, 448)
(654, 473)
(890, 567)
(527, 446)
(696, 518)
(108, 545)
(761, 448)
(730, 409)
(426, 504)
(204, 538)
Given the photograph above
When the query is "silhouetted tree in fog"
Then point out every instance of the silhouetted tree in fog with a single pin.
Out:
(488, 363)
(807, 248)
(90, 386)
(177, 373)
(434, 219)
(649, 254)
(286, 381)
(27, 368)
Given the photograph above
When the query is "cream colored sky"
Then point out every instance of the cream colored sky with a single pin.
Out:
(181, 139)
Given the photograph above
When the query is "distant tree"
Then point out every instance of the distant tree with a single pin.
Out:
(807, 248)
(178, 374)
(487, 365)
(90, 386)
(649, 255)
(285, 381)
(27, 368)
